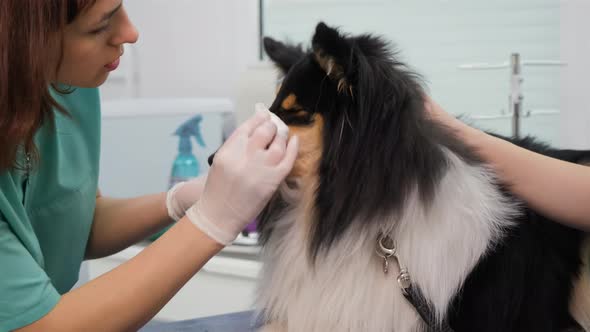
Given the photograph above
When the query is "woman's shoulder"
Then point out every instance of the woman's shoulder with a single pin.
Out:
(82, 106)
(78, 101)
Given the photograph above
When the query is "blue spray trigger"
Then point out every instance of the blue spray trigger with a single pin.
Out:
(189, 128)
(199, 139)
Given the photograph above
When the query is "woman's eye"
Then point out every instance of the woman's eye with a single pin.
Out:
(99, 30)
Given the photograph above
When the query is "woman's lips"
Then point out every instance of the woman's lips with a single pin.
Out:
(113, 65)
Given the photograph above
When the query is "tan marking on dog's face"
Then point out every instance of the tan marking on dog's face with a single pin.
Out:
(290, 102)
(305, 170)
(310, 147)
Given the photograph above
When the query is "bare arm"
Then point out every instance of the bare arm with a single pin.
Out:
(556, 188)
(119, 223)
(130, 295)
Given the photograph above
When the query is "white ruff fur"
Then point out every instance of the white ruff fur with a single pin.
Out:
(348, 291)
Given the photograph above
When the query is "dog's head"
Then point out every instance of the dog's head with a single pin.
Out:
(359, 113)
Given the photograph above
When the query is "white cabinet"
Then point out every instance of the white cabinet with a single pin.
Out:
(226, 283)
(138, 146)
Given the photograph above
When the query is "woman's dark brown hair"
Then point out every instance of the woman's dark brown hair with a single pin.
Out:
(29, 29)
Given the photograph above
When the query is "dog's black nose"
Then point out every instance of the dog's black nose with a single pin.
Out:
(210, 159)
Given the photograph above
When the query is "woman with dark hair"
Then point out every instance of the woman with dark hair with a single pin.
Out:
(53, 56)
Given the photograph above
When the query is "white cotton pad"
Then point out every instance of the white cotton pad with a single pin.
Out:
(282, 128)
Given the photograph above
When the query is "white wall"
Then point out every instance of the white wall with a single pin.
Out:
(187, 48)
(437, 36)
(575, 87)
(192, 48)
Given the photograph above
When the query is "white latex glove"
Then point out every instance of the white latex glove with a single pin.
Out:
(184, 195)
(246, 171)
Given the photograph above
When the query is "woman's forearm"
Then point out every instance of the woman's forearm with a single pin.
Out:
(131, 294)
(119, 223)
(558, 189)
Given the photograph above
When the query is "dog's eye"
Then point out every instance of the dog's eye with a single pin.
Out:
(296, 117)
(297, 110)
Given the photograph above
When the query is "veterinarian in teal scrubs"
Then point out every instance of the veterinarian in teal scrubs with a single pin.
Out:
(52, 215)
(47, 215)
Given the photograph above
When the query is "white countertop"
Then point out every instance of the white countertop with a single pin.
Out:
(234, 260)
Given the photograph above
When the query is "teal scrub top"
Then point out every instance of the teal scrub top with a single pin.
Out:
(45, 221)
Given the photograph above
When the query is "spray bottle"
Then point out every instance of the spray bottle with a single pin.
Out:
(185, 166)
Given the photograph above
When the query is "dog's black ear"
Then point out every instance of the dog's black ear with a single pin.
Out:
(334, 53)
(284, 56)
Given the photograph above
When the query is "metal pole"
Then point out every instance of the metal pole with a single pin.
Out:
(260, 29)
(515, 94)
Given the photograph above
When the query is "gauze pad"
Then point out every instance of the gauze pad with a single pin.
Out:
(282, 128)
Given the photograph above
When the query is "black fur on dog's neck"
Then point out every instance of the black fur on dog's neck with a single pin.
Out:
(378, 145)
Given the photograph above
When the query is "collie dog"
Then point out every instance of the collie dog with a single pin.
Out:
(389, 223)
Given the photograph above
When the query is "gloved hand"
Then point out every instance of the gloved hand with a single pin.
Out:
(245, 173)
(184, 195)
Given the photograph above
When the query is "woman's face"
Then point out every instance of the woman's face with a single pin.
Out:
(93, 44)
